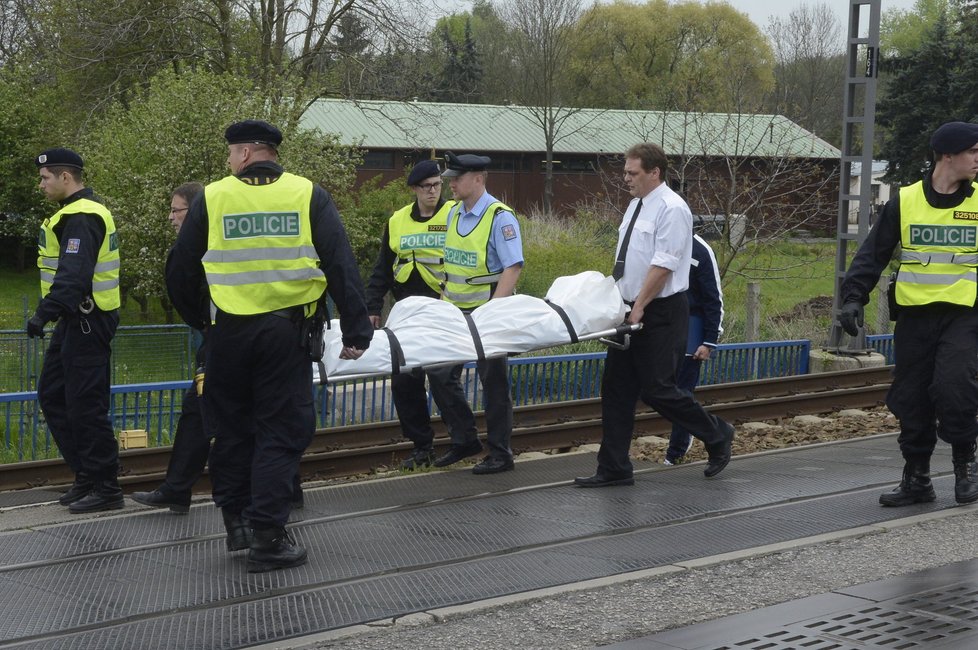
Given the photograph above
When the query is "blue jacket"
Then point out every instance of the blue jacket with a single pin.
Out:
(705, 298)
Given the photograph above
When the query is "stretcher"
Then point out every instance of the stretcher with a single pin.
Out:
(425, 332)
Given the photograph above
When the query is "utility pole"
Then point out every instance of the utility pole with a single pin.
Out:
(858, 133)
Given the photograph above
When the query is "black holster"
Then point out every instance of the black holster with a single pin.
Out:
(891, 302)
(312, 332)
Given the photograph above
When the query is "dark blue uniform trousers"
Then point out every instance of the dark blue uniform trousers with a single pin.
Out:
(934, 391)
(73, 391)
(258, 396)
(411, 401)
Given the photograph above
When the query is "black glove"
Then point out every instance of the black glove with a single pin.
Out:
(851, 318)
(35, 327)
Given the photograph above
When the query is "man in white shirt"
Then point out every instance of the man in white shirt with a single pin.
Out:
(652, 264)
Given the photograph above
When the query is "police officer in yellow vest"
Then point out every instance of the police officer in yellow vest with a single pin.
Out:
(78, 256)
(934, 392)
(483, 261)
(411, 263)
(269, 243)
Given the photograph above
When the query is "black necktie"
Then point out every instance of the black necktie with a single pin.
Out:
(619, 269)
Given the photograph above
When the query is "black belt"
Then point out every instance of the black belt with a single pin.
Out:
(289, 313)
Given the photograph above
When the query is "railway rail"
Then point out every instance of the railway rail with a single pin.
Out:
(351, 450)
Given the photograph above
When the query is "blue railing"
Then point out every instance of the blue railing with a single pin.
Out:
(882, 343)
(155, 407)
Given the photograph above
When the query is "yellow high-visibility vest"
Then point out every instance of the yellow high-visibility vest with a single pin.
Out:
(940, 251)
(260, 254)
(419, 245)
(105, 282)
(468, 281)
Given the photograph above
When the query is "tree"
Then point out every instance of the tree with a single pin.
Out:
(543, 35)
(925, 90)
(667, 57)
(810, 68)
(186, 116)
(461, 77)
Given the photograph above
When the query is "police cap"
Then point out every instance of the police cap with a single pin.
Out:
(467, 162)
(954, 137)
(424, 169)
(59, 157)
(256, 131)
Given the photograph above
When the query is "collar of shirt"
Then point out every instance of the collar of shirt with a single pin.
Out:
(479, 208)
(416, 212)
(83, 193)
(938, 200)
(660, 189)
(263, 171)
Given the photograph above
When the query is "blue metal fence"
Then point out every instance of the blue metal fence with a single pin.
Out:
(882, 343)
(155, 407)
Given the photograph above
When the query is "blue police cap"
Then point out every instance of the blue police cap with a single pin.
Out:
(257, 131)
(954, 137)
(467, 162)
(59, 157)
(424, 169)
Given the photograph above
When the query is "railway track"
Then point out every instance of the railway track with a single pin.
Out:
(349, 450)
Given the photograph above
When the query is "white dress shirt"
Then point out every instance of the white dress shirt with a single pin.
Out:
(663, 236)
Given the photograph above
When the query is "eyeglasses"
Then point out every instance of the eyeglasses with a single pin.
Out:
(428, 187)
(177, 210)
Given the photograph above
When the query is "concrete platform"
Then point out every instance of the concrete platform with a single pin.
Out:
(385, 550)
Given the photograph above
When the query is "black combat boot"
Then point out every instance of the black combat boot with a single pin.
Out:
(239, 532)
(274, 548)
(915, 486)
(965, 473)
(105, 495)
(79, 489)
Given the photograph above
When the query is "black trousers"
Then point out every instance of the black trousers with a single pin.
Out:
(647, 370)
(73, 391)
(258, 395)
(494, 375)
(191, 447)
(934, 391)
(411, 401)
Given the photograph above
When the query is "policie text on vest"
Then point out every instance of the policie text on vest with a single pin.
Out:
(261, 224)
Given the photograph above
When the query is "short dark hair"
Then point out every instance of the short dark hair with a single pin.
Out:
(651, 156)
(74, 172)
(188, 191)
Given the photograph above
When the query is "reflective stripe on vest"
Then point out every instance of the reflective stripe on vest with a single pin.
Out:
(105, 281)
(940, 251)
(260, 254)
(468, 279)
(419, 245)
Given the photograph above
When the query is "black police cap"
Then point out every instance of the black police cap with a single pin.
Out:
(954, 137)
(424, 169)
(467, 162)
(59, 157)
(258, 131)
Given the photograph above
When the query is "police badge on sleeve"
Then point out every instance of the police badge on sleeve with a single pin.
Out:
(73, 245)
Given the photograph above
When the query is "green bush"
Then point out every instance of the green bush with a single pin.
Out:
(554, 247)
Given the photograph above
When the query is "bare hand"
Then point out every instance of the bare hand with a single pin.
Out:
(351, 353)
(375, 321)
(703, 353)
(635, 316)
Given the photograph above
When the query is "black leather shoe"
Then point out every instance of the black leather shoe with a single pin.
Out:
(718, 454)
(78, 490)
(106, 495)
(274, 548)
(160, 499)
(600, 480)
(459, 452)
(493, 465)
(238, 530)
(420, 457)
